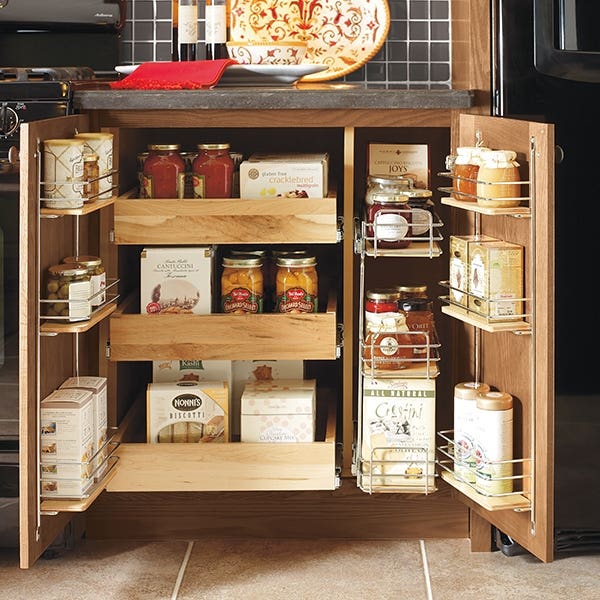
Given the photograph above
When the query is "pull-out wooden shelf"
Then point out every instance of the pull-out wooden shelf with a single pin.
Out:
(226, 221)
(235, 466)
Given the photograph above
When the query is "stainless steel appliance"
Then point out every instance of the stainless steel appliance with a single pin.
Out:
(546, 65)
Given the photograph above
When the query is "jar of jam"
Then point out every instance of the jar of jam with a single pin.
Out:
(498, 170)
(69, 289)
(242, 284)
(423, 213)
(407, 292)
(212, 171)
(465, 172)
(164, 172)
(388, 214)
(296, 284)
(97, 274)
(379, 304)
(387, 344)
(419, 319)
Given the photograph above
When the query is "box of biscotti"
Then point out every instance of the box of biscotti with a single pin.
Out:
(176, 280)
(292, 175)
(187, 411)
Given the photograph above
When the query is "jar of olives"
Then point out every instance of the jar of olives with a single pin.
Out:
(97, 275)
(296, 284)
(68, 289)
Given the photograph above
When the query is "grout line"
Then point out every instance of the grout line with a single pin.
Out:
(182, 569)
(426, 570)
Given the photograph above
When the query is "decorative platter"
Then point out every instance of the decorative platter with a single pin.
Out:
(342, 34)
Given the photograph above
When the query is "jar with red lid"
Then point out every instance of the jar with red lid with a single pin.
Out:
(164, 172)
(212, 171)
(388, 213)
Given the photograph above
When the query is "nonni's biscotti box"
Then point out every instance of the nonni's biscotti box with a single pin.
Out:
(188, 411)
(176, 280)
(284, 175)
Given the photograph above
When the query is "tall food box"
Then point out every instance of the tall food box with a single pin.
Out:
(176, 280)
(187, 411)
(292, 175)
(496, 280)
(281, 411)
(398, 434)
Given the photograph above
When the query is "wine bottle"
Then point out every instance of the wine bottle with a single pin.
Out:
(216, 29)
(174, 32)
(187, 29)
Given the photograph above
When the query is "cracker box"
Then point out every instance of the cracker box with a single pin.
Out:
(496, 280)
(279, 412)
(65, 488)
(459, 266)
(247, 371)
(188, 411)
(398, 434)
(176, 280)
(406, 160)
(97, 385)
(67, 426)
(284, 175)
(191, 370)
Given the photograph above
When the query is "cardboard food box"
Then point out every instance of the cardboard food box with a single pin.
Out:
(459, 266)
(97, 385)
(176, 280)
(398, 433)
(405, 160)
(67, 426)
(188, 411)
(281, 411)
(65, 488)
(495, 279)
(284, 175)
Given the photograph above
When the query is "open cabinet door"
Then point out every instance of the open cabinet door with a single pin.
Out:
(517, 360)
(38, 530)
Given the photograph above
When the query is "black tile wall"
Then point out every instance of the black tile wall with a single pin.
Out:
(416, 53)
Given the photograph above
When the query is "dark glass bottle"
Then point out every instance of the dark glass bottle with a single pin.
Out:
(216, 29)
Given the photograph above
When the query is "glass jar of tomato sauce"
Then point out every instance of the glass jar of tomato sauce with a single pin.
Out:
(296, 284)
(164, 172)
(212, 171)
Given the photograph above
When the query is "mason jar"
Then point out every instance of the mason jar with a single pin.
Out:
(97, 274)
(242, 284)
(69, 289)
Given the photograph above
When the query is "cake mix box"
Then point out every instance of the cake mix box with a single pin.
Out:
(281, 411)
(188, 411)
(176, 280)
(398, 433)
(496, 280)
(285, 175)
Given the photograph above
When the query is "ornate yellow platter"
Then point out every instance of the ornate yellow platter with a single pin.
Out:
(342, 34)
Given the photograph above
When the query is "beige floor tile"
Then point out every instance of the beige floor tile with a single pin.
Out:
(232, 569)
(96, 570)
(456, 572)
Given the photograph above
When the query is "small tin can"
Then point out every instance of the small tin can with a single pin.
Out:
(242, 284)
(69, 289)
(97, 275)
(296, 284)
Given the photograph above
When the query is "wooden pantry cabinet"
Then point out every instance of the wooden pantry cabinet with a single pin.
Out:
(168, 491)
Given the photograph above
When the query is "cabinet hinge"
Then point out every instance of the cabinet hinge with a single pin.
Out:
(111, 236)
(339, 344)
(107, 350)
(340, 229)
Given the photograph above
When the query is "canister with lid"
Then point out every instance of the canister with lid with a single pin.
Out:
(242, 284)
(164, 172)
(388, 213)
(97, 274)
(465, 406)
(69, 289)
(212, 171)
(296, 284)
(494, 443)
(495, 187)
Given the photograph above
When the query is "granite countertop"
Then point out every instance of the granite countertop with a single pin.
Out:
(298, 96)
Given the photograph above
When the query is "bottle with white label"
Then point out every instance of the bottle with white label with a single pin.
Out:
(216, 29)
(494, 443)
(187, 29)
(465, 406)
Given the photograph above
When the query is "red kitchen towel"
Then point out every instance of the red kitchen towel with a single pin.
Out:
(184, 75)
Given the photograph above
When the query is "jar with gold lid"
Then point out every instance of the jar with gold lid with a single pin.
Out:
(164, 172)
(296, 284)
(212, 171)
(97, 274)
(496, 187)
(68, 290)
(242, 284)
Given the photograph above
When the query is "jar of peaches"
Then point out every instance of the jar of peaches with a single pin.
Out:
(296, 284)
(242, 284)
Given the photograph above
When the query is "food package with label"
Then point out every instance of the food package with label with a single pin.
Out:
(187, 411)
(281, 411)
(496, 280)
(176, 280)
(97, 385)
(398, 434)
(292, 175)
